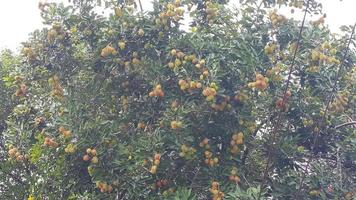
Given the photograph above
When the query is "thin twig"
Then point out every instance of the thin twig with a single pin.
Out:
(345, 124)
(140, 4)
(276, 126)
(295, 52)
(338, 73)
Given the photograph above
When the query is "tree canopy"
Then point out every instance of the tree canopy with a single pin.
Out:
(112, 102)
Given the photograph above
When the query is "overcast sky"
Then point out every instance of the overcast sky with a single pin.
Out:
(19, 17)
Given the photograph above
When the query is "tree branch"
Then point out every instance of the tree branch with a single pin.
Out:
(345, 124)
(278, 123)
(139, 2)
(339, 72)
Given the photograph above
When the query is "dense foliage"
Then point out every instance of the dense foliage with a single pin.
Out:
(109, 102)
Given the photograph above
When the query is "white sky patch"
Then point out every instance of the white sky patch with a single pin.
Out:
(20, 17)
